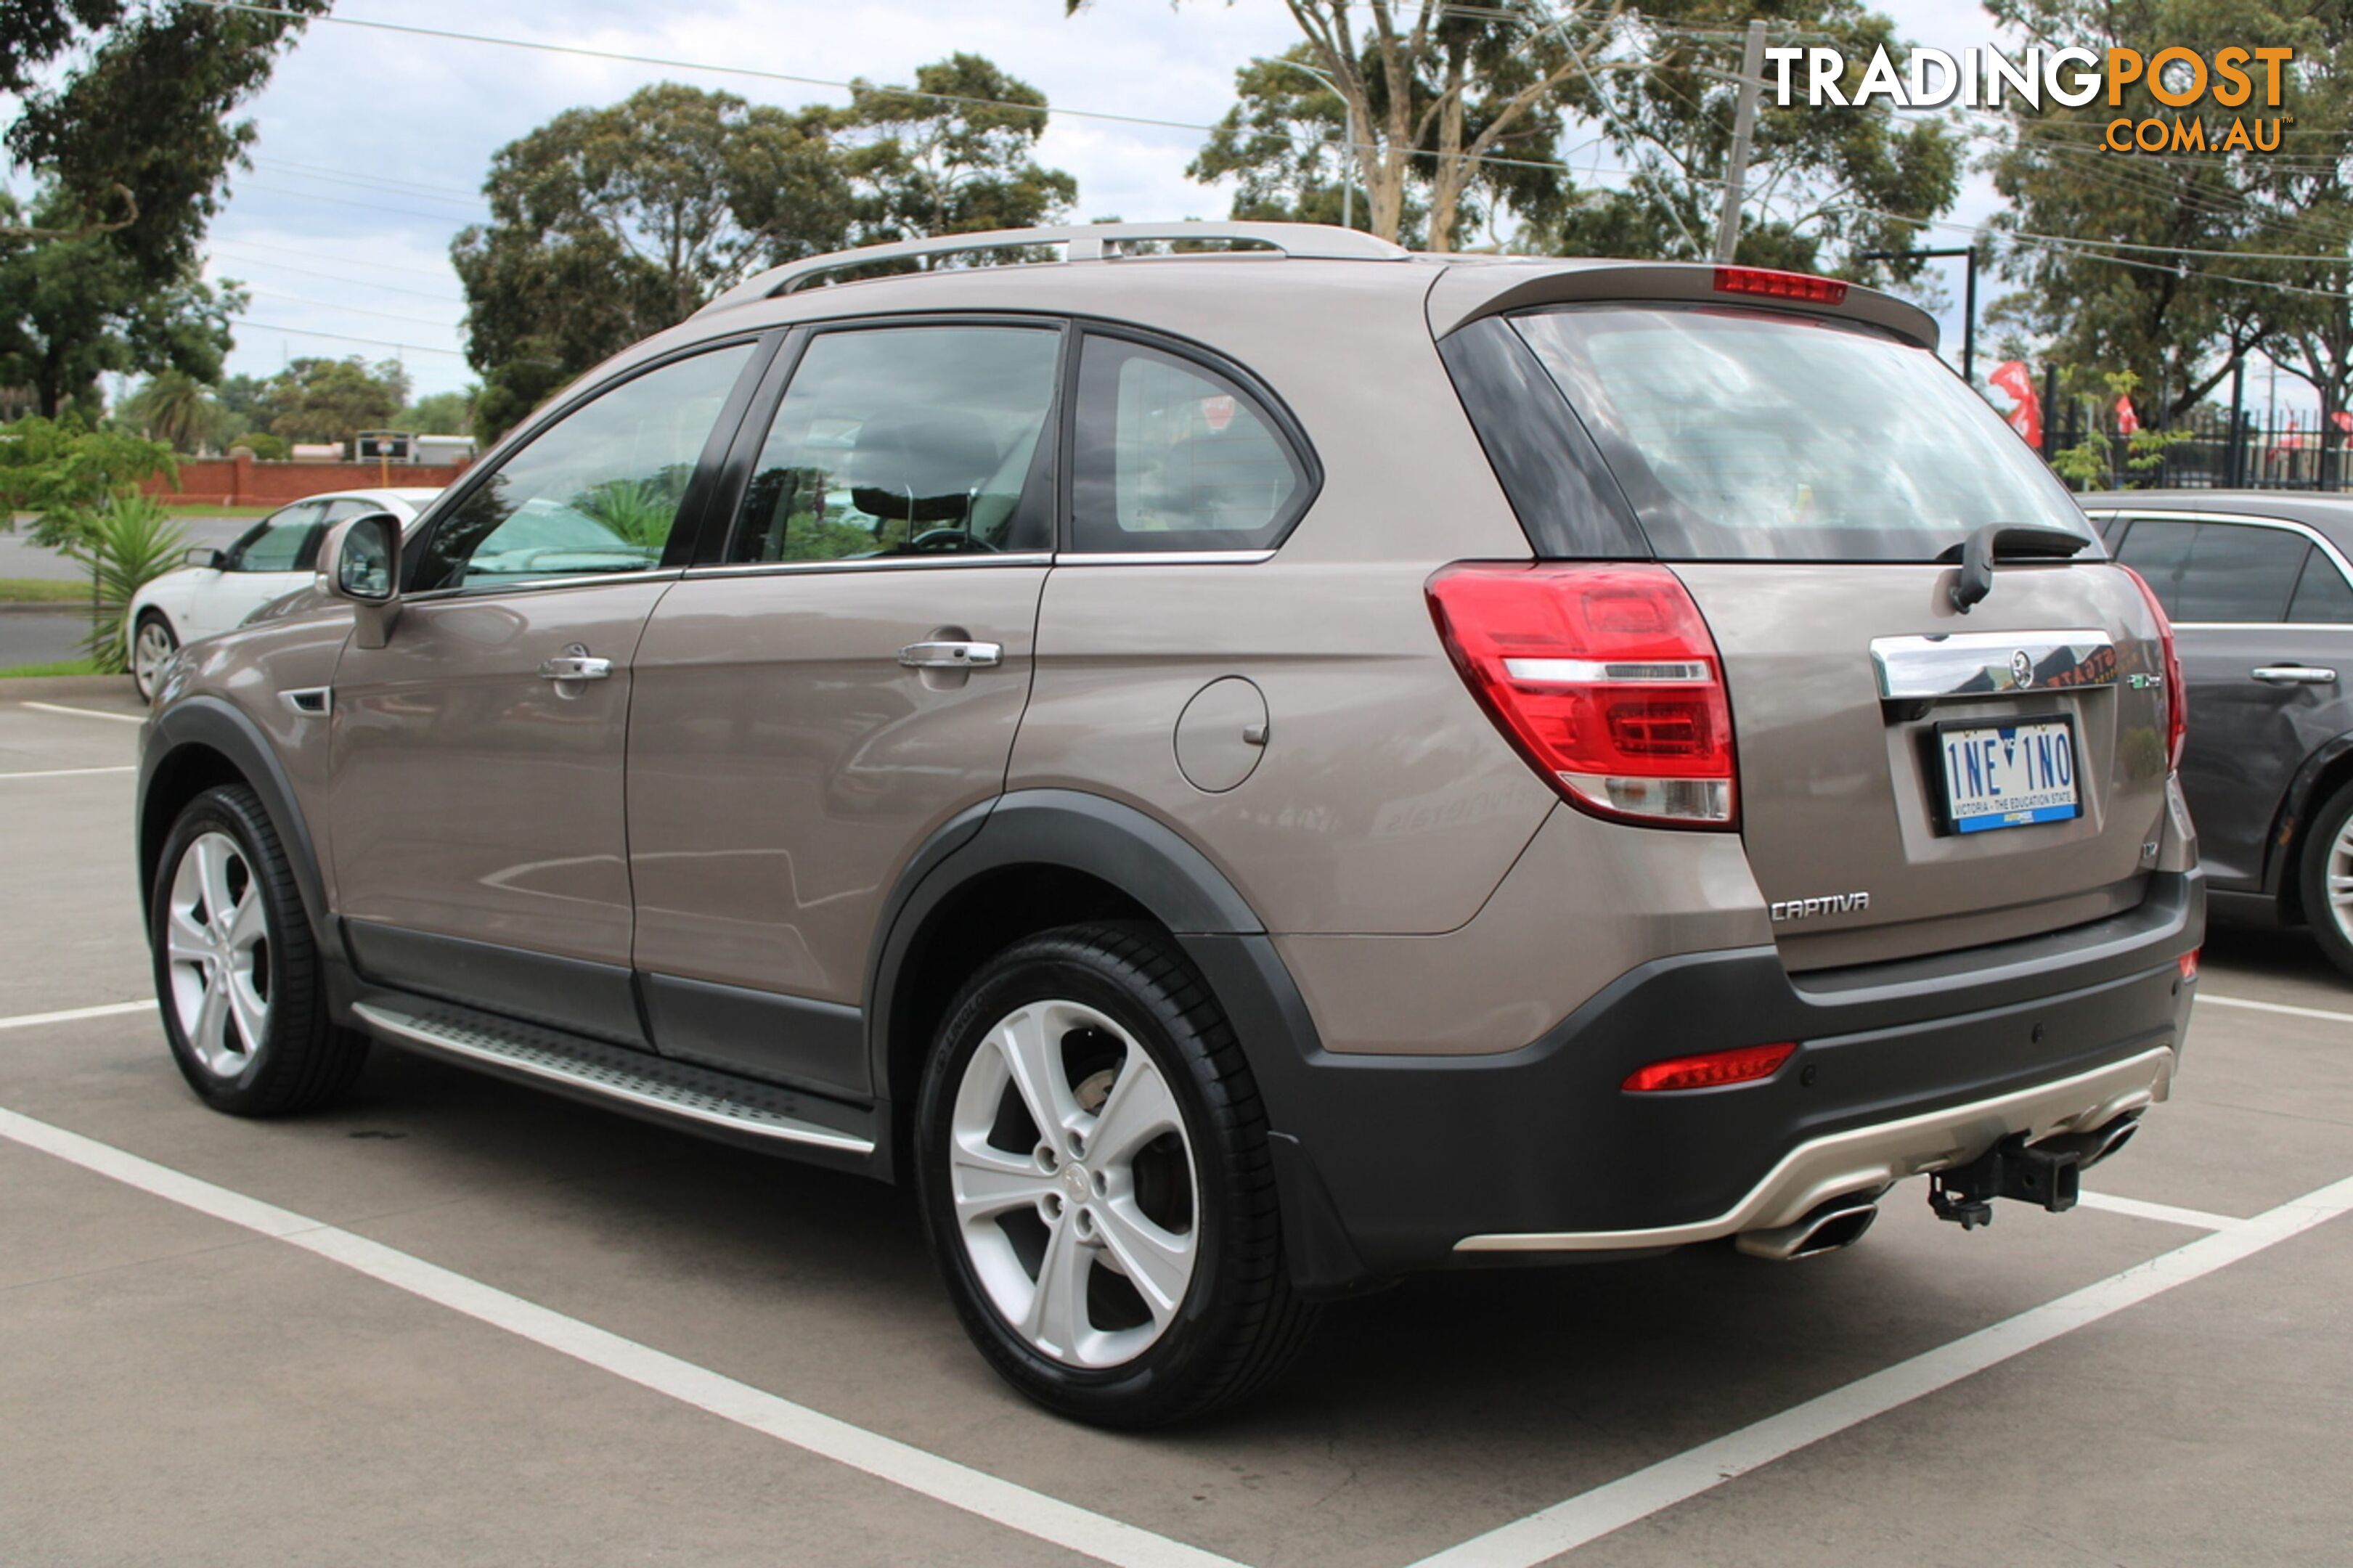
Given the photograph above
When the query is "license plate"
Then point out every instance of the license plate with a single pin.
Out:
(2009, 775)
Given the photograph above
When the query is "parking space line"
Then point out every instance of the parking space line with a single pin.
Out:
(1566, 1526)
(959, 1485)
(2276, 1007)
(2196, 1219)
(75, 1015)
(89, 712)
(69, 772)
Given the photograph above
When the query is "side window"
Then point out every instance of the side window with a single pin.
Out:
(280, 541)
(598, 491)
(905, 440)
(2321, 593)
(2238, 573)
(2159, 552)
(1172, 455)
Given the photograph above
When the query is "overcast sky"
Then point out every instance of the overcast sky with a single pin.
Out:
(372, 145)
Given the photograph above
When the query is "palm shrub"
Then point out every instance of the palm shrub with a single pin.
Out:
(125, 545)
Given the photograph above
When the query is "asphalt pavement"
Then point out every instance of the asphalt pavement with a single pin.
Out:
(454, 1320)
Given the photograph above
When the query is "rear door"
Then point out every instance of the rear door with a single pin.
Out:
(844, 679)
(2264, 614)
(1912, 778)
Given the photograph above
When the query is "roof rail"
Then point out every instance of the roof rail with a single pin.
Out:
(1079, 242)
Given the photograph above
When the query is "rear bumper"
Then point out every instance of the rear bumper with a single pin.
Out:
(1396, 1163)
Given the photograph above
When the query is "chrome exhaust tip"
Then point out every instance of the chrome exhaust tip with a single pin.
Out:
(1832, 1226)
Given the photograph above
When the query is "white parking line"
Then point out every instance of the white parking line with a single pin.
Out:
(2196, 1219)
(1566, 1526)
(2279, 1007)
(75, 1015)
(89, 712)
(959, 1485)
(69, 772)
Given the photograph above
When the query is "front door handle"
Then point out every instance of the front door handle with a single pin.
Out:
(952, 655)
(2293, 675)
(575, 663)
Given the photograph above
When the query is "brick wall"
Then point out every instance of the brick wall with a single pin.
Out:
(242, 480)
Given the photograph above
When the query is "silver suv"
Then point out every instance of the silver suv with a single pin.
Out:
(1241, 761)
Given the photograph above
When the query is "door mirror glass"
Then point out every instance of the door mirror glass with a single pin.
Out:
(205, 557)
(361, 559)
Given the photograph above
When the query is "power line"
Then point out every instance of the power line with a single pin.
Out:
(347, 278)
(340, 337)
(275, 295)
(314, 255)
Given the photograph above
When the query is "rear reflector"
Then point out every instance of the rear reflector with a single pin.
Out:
(1768, 284)
(2177, 696)
(2190, 963)
(1604, 678)
(1743, 1064)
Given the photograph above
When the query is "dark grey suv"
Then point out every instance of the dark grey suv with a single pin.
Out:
(2260, 587)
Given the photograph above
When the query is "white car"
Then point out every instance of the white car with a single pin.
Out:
(218, 588)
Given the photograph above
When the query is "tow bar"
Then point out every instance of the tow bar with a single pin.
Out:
(2050, 1172)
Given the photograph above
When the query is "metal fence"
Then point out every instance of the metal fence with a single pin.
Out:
(2213, 452)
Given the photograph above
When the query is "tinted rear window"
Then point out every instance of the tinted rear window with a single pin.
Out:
(1744, 435)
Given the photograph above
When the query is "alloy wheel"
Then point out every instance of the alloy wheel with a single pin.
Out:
(216, 937)
(1076, 1198)
(149, 652)
(2339, 872)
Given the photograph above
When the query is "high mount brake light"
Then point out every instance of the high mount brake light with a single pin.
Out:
(2177, 695)
(1605, 678)
(1772, 285)
(1712, 1069)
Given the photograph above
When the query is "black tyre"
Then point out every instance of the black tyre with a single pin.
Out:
(2329, 859)
(1091, 1155)
(237, 973)
(151, 647)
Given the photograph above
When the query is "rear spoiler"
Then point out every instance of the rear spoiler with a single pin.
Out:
(1473, 287)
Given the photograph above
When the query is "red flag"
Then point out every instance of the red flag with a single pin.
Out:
(2293, 440)
(2012, 377)
(2343, 421)
(2128, 422)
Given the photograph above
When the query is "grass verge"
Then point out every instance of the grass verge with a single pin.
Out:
(59, 667)
(41, 590)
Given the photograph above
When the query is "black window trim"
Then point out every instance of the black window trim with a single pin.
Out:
(694, 508)
(722, 517)
(1287, 427)
(2134, 517)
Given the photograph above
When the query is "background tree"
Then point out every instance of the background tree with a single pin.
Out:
(335, 399)
(609, 224)
(1284, 144)
(440, 413)
(83, 485)
(177, 409)
(955, 156)
(72, 308)
(1438, 87)
(2177, 316)
(1821, 184)
(127, 109)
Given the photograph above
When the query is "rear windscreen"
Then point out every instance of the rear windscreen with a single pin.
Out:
(1746, 434)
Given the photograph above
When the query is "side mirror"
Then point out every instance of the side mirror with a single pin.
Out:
(360, 561)
(205, 556)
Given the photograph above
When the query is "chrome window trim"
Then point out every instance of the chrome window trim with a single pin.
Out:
(1163, 557)
(2312, 535)
(867, 563)
(537, 585)
(1925, 668)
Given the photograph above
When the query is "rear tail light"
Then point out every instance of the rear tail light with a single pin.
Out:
(2177, 695)
(1770, 285)
(1605, 678)
(1742, 1064)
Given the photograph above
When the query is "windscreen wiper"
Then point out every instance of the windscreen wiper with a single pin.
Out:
(2004, 541)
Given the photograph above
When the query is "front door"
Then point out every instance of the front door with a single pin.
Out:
(849, 678)
(478, 837)
(2263, 616)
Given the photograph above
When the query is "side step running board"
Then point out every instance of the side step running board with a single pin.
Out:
(742, 1110)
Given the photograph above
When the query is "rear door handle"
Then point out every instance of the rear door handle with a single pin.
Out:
(952, 655)
(2293, 675)
(575, 663)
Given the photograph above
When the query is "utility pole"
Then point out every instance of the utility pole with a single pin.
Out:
(1744, 126)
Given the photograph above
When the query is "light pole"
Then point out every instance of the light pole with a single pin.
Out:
(1969, 297)
(1347, 162)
